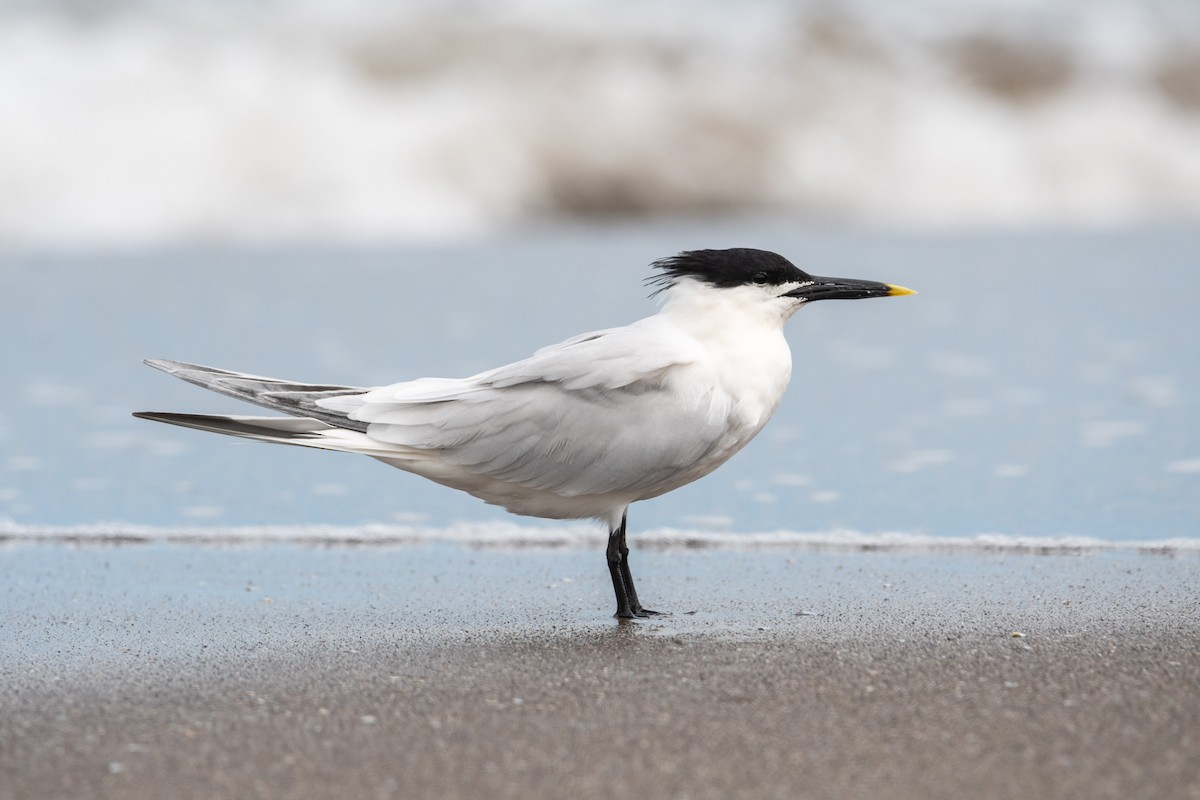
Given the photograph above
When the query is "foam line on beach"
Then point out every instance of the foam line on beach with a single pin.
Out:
(504, 534)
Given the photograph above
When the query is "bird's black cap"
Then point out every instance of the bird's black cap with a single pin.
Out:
(724, 269)
(742, 266)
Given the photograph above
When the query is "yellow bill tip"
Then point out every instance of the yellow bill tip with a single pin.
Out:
(896, 291)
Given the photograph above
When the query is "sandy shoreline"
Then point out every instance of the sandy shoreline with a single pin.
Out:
(284, 671)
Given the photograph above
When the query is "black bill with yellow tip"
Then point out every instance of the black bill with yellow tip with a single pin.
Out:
(845, 289)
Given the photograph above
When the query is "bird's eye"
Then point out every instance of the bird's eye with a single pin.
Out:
(759, 278)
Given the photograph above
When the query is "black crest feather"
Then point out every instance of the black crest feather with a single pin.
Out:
(725, 269)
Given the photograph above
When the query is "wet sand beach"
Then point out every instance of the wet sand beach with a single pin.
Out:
(183, 671)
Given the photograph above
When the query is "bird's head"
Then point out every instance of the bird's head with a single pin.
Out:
(758, 278)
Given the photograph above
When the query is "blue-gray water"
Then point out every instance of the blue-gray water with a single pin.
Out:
(1041, 383)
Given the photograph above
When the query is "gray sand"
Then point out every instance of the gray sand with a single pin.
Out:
(285, 671)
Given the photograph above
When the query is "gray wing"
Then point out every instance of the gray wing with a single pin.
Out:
(599, 413)
(290, 397)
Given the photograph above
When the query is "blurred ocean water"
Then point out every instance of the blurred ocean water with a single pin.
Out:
(362, 192)
(128, 122)
(1042, 384)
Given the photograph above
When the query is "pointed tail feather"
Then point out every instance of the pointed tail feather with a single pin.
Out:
(290, 397)
(284, 430)
(279, 430)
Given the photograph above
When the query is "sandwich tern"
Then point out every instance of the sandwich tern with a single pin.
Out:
(580, 429)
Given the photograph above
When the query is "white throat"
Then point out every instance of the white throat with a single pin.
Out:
(739, 330)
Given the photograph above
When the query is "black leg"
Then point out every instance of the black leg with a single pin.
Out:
(613, 553)
(627, 576)
(628, 605)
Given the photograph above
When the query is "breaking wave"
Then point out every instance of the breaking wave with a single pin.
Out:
(151, 121)
(511, 535)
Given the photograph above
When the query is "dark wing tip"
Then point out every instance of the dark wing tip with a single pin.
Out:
(172, 367)
(159, 416)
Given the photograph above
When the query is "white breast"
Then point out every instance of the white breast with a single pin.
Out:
(745, 356)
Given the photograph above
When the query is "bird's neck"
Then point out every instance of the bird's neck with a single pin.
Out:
(746, 354)
(724, 316)
(690, 301)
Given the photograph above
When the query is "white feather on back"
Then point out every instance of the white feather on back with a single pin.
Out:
(559, 421)
(600, 420)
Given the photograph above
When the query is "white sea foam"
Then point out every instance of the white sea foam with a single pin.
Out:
(921, 459)
(1103, 433)
(166, 120)
(507, 534)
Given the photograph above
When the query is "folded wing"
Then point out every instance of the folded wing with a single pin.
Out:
(598, 414)
(594, 415)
